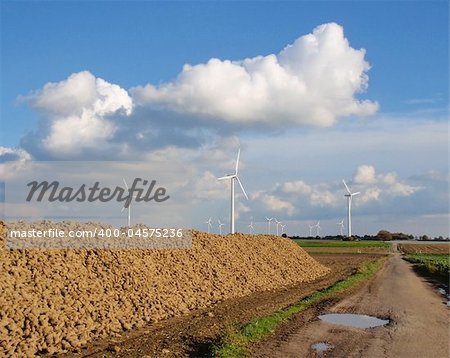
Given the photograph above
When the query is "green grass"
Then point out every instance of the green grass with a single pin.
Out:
(328, 243)
(434, 263)
(237, 339)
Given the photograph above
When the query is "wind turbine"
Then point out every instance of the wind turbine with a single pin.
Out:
(282, 228)
(209, 224)
(220, 226)
(232, 178)
(341, 224)
(278, 223)
(317, 228)
(250, 226)
(268, 222)
(129, 204)
(349, 196)
(310, 229)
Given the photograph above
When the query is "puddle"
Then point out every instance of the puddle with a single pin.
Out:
(443, 291)
(354, 320)
(321, 347)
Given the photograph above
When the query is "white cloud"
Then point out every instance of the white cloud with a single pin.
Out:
(298, 197)
(365, 174)
(13, 154)
(310, 82)
(274, 203)
(373, 186)
(208, 187)
(317, 194)
(12, 160)
(297, 187)
(77, 111)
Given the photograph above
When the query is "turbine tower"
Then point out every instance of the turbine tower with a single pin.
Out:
(268, 222)
(349, 196)
(232, 178)
(282, 228)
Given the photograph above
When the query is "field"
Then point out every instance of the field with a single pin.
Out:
(424, 248)
(332, 243)
(200, 333)
(168, 303)
(343, 247)
(434, 263)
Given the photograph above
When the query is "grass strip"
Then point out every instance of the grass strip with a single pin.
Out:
(237, 339)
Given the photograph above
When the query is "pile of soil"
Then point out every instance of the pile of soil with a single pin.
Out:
(58, 300)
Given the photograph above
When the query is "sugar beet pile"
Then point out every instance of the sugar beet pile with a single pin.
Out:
(58, 300)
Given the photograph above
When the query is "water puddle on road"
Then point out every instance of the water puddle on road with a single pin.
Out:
(320, 348)
(354, 320)
(443, 291)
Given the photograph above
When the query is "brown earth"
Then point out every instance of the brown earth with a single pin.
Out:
(194, 334)
(419, 328)
(54, 301)
(424, 248)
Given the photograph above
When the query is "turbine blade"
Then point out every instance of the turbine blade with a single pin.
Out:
(226, 177)
(240, 184)
(346, 187)
(237, 161)
(357, 193)
(126, 186)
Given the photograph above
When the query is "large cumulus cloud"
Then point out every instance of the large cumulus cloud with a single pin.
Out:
(313, 82)
(310, 82)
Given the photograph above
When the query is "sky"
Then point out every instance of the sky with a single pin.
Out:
(312, 92)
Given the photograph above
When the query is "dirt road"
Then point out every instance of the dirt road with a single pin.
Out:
(420, 326)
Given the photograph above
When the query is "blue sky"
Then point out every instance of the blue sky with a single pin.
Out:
(139, 43)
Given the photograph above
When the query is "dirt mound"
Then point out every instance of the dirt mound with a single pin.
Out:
(58, 300)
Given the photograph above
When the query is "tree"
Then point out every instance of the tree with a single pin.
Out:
(384, 235)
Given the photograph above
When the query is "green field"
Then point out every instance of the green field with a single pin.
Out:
(331, 243)
(434, 263)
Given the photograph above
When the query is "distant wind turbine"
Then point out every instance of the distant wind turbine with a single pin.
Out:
(220, 226)
(209, 224)
(349, 196)
(278, 223)
(310, 229)
(341, 224)
(232, 178)
(282, 228)
(268, 223)
(317, 226)
(250, 226)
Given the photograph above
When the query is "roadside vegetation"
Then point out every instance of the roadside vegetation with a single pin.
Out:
(237, 339)
(433, 263)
